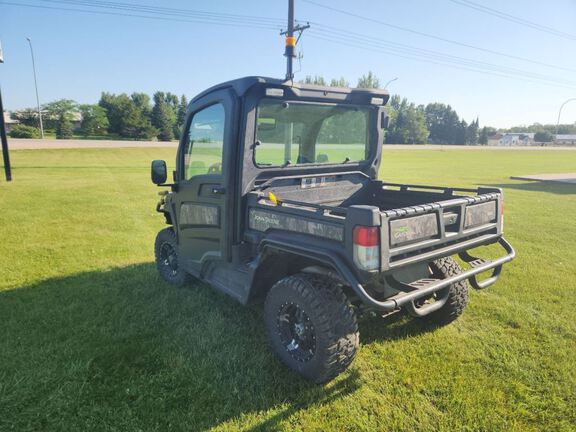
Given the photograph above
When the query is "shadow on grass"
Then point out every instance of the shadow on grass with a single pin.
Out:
(121, 350)
(536, 186)
(393, 327)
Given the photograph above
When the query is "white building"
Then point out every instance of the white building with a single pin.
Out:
(565, 139)
(9, 122)
(516, 139)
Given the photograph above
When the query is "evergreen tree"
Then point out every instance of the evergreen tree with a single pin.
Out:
(444, 124)
(163, 116)
(64, 128)
(472, 133)
(181, 113)
(180, 116)
(460, 134)
(94, 120)
(142, 102)
(483, 137)
(407, 123)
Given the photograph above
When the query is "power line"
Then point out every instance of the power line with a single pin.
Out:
(440, 38)
(424, 53)
(512, 18)
(438, 62)
(328, 33)
(168, 11)
(189, 20)
(259, 20)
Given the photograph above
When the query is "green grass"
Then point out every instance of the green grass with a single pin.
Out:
(91, 339)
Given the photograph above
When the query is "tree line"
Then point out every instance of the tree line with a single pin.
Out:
(133, 116)
(137, 116)
(416, 124)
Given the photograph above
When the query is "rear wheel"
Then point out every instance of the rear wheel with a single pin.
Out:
(312, 326)
(455, 295)
(168, 260)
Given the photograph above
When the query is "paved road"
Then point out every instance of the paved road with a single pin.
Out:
(556, 177)
(34, 144)
(29, 144)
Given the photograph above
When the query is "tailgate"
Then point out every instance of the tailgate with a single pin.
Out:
(429, 231)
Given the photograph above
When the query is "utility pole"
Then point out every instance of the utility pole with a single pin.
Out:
(5, 155)
(36, 85)
(291, 40)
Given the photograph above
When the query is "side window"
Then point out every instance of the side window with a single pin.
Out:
(203, 153)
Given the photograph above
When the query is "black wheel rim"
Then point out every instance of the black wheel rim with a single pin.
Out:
(169, 259)
(296, 332)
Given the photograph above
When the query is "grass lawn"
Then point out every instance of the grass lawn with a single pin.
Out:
(91, 339)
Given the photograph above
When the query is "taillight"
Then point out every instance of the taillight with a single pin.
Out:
(367, 247)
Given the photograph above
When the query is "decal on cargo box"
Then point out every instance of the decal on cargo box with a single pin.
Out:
(413, 228)
(479, 214)
(262, 220)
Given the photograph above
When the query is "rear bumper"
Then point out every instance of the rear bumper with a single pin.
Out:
(300, 245)
(425, 287)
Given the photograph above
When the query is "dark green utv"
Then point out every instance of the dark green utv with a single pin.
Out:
(276, 198)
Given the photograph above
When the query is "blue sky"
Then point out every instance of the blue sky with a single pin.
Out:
(78, 55)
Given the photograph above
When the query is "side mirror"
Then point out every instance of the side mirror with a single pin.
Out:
(158, 172)
(385, 121)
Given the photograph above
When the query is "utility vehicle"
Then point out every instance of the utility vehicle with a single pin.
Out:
(275, 198)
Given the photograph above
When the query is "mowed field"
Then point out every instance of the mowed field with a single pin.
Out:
(92, 339)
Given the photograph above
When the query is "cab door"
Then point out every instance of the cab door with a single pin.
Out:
(202, 180)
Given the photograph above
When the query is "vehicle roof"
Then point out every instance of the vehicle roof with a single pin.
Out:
(241, 85)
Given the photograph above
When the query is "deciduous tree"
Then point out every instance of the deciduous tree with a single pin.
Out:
(543, 136)
(368, 81)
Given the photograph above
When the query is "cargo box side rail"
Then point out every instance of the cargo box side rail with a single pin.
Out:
(444, 190)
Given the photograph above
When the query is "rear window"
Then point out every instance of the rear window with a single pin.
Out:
(296, 133)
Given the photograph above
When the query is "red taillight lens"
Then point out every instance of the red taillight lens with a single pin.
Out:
(367, 247)
(366, 236)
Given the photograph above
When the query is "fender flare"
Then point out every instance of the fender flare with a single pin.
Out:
(300, 245)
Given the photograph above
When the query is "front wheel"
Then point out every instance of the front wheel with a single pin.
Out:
(168, 260)
(312, 326)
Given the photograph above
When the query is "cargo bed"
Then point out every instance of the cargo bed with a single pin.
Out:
(417, 223)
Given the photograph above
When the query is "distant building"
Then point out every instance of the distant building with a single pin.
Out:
(9, 122)
(567, 139)
(76, 118)
(516, 139)
(494, 140)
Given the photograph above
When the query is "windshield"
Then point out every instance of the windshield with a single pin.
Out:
(291, 133)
